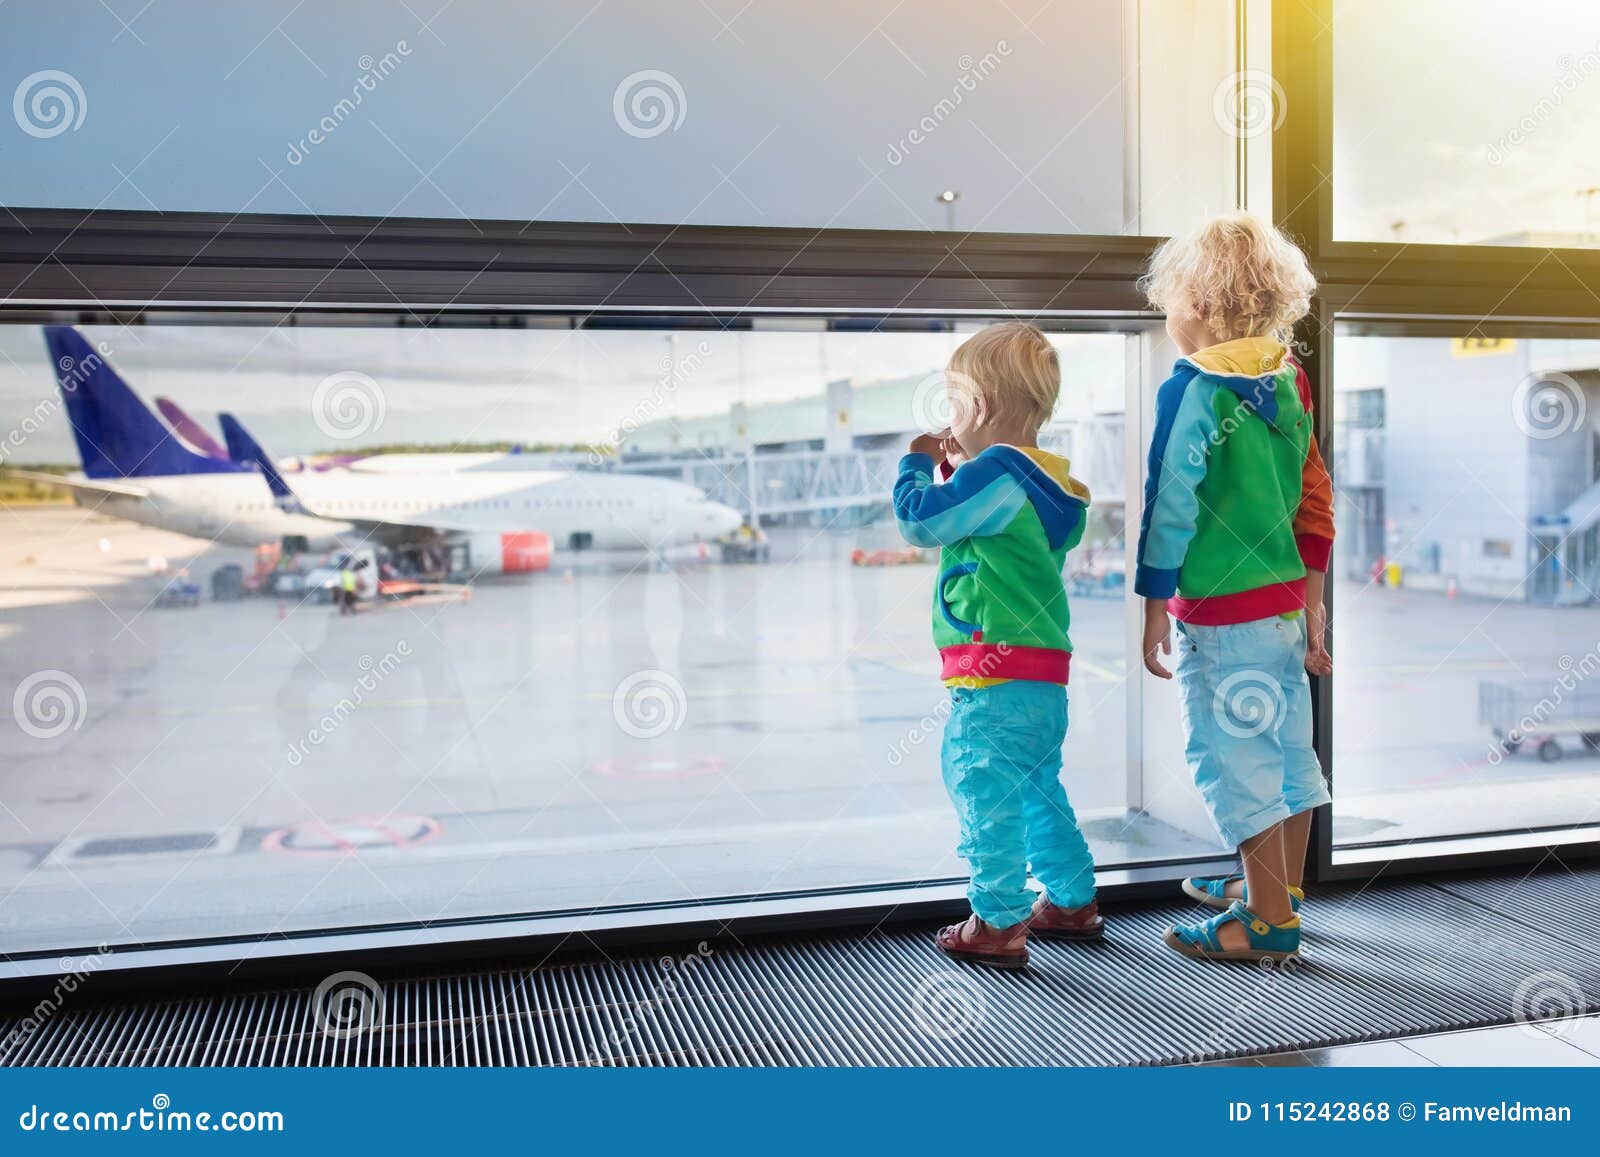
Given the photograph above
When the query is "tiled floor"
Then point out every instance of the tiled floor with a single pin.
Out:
(1549, 1043)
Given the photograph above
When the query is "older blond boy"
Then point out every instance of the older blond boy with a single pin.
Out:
(1234, 543)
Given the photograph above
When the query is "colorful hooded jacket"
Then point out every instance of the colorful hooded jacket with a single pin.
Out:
(1003, 523)
(1237, 501)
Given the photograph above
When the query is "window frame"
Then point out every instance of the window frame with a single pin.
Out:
(125, 266)
(1485, 290)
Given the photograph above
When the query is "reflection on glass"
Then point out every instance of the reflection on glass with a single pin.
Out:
(1467, 568)
(834, 114)
(314, 628)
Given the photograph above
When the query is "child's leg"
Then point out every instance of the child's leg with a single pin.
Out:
(1236, 703)
(1059, 854)
(1296, 839)
(1232, 708)
(1266, 877)
(1304, 789)
(986, 782)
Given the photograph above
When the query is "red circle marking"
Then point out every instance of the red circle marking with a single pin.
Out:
(426, 830)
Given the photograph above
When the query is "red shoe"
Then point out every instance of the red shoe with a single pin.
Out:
(975, 941)
(1055, 923)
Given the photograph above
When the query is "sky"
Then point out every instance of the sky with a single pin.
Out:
(1466, 120)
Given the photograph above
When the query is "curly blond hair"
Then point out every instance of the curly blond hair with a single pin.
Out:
(1015, 368)
(1238, 274)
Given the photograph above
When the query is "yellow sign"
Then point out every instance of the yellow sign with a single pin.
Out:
(1481, 347)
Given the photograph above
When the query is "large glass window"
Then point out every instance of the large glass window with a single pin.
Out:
(1466, 122)
(1467, 585)
(630, 623)
(840, 113)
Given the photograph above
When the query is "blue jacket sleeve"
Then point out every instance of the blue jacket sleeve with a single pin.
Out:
(1186, 429)
(981, 497)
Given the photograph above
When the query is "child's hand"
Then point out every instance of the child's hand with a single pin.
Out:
(930, 444)
(1157, 636)
(953, 453)
(1318, 661)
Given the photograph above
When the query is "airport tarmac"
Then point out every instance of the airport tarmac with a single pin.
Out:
(611, 731)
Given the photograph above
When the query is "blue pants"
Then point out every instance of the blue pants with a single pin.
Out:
(1002, 768)
(1247, 718)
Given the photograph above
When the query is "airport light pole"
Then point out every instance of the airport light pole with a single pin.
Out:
(948, 199)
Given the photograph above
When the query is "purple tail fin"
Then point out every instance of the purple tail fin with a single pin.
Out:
(189, 430)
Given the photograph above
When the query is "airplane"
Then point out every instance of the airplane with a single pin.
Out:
(138, 468)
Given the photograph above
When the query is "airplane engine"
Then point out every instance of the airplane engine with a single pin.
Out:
(510, 552)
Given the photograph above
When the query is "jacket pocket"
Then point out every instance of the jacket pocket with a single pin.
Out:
(960, 570)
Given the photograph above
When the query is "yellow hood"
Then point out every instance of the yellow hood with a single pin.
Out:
(1249, 357)
(1060, 471)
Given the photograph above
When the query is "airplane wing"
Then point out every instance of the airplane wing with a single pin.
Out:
(87, 485)
(246, 450)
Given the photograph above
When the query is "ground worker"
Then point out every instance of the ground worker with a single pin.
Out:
(347, 589)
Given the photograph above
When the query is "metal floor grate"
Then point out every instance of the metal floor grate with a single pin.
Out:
(1383, 961)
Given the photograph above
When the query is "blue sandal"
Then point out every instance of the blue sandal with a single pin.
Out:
(1266, 941)
(1212, 891)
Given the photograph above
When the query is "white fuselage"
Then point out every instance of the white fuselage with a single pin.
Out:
(577, 510)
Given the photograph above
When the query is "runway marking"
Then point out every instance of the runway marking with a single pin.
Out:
(349, 836)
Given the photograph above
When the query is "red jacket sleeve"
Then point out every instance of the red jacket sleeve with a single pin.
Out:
(1313, 521)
